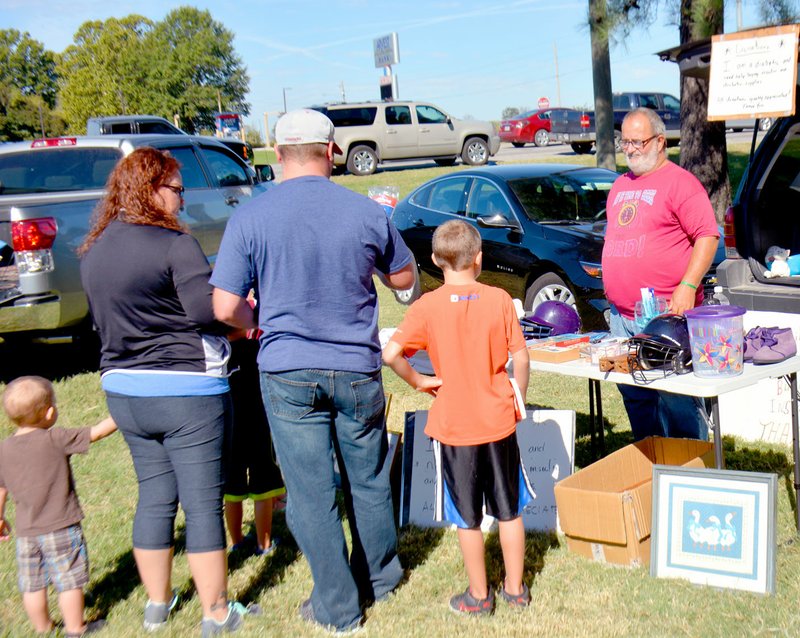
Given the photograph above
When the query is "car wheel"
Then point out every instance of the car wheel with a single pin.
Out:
(541, 138)
(475, 152)
(581, 148)
(362, 160)
(518, 144)
(764, 124)
(448, 161)
(548, 287)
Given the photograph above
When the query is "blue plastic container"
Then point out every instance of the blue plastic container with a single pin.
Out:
(716, 334)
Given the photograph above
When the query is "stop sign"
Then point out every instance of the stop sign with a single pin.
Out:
(544, 103)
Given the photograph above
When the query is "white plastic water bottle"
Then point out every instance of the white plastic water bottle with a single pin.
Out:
(719, 298)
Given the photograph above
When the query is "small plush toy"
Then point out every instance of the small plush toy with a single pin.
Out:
(777, 260)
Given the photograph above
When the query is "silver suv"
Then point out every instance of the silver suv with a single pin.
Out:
(373, 132)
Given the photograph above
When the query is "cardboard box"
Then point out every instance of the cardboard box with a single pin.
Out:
(605, 509)
(556, 354)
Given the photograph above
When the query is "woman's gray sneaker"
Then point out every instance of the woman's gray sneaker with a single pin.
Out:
(157, 614)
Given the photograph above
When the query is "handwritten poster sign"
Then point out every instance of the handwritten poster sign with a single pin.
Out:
(547, 448)
(753, 74)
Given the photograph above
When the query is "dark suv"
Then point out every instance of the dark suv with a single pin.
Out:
(765, 210)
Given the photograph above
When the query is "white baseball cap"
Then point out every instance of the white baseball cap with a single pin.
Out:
(305, 126)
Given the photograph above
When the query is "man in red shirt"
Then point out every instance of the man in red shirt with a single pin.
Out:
(661, 234)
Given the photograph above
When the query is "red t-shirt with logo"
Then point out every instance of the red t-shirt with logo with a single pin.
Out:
(653, 223)
(468, 332)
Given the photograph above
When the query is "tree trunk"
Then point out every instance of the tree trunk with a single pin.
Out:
(704, 150)
(601, 79)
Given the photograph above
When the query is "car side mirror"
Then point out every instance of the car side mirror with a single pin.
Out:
(265, 172)
(498, 221)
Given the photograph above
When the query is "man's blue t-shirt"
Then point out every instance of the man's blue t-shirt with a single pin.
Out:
(309, 248)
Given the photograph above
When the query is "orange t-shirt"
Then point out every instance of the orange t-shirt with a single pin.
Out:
(468, 331)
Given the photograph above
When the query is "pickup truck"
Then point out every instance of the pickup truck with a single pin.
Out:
(576, 128)
(48, 191)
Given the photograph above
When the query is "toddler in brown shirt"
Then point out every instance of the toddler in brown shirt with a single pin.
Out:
(34, 468)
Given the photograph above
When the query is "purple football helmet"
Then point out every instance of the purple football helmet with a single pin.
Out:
(550, 318)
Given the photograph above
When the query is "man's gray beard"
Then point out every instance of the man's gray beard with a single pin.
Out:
(642, 164)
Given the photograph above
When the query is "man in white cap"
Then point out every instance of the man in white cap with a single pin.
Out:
(309, 247)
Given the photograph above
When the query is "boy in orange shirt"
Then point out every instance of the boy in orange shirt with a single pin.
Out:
(469, 329)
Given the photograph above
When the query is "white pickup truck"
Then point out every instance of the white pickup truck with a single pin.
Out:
(48, 191)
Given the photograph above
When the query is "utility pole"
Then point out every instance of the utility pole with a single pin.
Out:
(341, 87)
(558, 82)
(286, 88)
(268, 141)
(219, 101)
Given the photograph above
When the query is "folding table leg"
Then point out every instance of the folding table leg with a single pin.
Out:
(591, 420)
(718, 460)
(796, 450)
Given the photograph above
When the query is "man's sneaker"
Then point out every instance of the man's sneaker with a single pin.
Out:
(232, 622)
(307, 614)
(466, 603)
(157, 614)
(520, 600)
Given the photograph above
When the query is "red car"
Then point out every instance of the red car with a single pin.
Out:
(533, 126)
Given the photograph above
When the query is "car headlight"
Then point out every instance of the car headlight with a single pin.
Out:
(593, 270)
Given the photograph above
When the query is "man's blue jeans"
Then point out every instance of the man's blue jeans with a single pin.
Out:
(311, 414)
(655, 412)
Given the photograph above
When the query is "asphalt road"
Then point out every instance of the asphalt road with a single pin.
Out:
(528, 153)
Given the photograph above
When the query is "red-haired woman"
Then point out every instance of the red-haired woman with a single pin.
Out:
(163, 367)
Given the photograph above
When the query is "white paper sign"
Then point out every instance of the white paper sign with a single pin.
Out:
(547, 448)
(753, 74)
(761, 412)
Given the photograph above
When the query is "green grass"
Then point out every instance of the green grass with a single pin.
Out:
(571, 595)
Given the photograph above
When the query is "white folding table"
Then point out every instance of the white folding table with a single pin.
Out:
(690, 385)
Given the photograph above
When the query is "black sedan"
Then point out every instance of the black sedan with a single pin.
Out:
(542, 227)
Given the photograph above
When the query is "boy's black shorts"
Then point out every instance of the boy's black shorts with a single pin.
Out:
(471, 476)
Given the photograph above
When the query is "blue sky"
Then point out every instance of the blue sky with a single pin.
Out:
(471, 58)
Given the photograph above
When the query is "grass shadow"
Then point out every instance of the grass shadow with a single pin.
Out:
(122, 578)
(273, 568)
(415, 544)
(537, 544)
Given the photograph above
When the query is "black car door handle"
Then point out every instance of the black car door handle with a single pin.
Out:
(419, 222)
(231, 201)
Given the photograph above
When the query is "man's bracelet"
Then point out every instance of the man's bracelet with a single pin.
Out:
(692, 286)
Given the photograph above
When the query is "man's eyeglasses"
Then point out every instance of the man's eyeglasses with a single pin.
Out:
(637, 144)
(178, 190)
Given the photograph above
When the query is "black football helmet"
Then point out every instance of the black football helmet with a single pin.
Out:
(663, 347)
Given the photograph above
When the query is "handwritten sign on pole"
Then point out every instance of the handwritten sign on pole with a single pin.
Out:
(754, 73)
(546, 441)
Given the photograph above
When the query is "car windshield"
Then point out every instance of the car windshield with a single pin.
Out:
(578, 196)
(56, 170)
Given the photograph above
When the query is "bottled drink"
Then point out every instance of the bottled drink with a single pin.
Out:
(719, 298)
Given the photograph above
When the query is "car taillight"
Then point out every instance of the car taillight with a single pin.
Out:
(32, 240)
(54, 141)
(729, 232)
(584, 121)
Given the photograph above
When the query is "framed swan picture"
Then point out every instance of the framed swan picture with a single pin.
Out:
(714, 527)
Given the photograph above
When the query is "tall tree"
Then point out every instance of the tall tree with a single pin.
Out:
(704, 151)
(28, 88)
(105, 71)
(197, 70)
(601, 80)
(26, 65)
